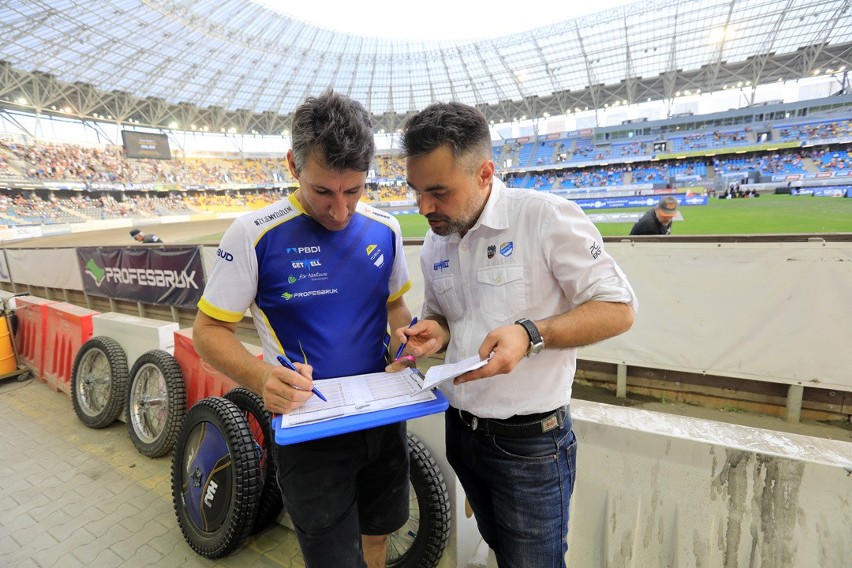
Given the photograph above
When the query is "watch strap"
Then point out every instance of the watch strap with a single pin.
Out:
(536, 341)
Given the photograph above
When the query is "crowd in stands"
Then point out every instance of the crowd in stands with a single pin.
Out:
(635, 148)
(781, 163)
(57, 207)
(70, 162)
(393, 192)
(390, 167)
(35, 210)
(816, 131)
(832, 160)
(708, 140)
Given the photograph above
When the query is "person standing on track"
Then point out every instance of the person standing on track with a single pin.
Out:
(657, 220)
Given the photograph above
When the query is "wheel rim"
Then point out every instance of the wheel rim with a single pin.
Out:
(149, 404)
(401, 540)
(207, 477)
(94, 383)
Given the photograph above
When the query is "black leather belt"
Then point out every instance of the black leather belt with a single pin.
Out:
(519, 426)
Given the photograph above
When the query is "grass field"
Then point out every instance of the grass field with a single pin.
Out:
(765, 215)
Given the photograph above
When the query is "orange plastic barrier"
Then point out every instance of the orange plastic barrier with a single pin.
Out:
(200, 378)
(8, 362)
(68, 328)
(32, 328)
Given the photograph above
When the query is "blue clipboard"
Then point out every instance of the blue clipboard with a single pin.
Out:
(344, 424)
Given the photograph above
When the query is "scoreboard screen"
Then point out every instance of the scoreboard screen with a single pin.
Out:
(146, 145)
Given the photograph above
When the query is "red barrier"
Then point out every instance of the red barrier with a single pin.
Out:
(200, 378)
(30, 336)
(68, 328)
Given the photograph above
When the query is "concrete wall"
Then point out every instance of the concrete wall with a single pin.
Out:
(657, 490)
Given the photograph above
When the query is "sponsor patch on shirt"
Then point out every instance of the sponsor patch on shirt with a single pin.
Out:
(441, 265)
(506, 249)
(595, 250)
(303, 250)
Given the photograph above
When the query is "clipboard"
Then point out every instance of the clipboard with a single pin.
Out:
(355, 422)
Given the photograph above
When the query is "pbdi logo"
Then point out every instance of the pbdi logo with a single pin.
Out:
(303, 250)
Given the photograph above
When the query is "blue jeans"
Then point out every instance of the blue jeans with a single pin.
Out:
(519, 489)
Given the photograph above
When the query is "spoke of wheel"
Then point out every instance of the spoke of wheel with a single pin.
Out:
(152, 403)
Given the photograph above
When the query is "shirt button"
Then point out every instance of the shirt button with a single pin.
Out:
(464, 246)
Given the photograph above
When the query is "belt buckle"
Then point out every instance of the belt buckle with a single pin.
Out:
(474, 421)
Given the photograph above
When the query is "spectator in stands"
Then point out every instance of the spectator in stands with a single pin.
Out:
(523, 253)
(344, 493)
(657, 220)
(139, 236)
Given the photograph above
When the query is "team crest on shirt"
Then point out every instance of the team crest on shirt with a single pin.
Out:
(506, 249)
(375, 254)
(491, 251)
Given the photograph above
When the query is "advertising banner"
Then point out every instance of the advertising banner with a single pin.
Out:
(172, 276)
(637, 201)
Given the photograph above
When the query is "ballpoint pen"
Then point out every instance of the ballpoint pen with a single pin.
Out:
(289, 364)
(402, 345)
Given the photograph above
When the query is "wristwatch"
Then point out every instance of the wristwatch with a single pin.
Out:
(536, 341)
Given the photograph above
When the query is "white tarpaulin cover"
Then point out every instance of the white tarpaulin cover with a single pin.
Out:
(779, 312)
(54, 268)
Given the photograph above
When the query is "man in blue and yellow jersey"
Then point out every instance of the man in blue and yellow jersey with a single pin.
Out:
(323, 276)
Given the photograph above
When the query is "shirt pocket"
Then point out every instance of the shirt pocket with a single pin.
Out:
(447, 297)
(502, 292)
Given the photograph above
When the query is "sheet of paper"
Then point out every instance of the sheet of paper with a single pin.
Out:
(440, 373)
(359, 394)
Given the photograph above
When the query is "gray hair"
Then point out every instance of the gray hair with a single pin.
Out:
(461, 126)
(336, 130)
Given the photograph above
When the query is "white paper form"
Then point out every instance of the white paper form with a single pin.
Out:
(440, 373)
(359, 394)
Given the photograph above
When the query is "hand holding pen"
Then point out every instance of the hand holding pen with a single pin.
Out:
(402, 345)
(289, 364)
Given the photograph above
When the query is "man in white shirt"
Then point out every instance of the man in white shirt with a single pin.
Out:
(521, 277)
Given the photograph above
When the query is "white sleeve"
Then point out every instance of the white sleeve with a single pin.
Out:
(232, 283)
(400, 281)
(575, 250)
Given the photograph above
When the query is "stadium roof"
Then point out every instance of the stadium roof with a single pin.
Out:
(234, 64)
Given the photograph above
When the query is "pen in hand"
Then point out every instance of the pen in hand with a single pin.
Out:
(402, 345)
(289, 364)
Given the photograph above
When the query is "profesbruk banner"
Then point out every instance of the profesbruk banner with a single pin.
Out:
(168, 276)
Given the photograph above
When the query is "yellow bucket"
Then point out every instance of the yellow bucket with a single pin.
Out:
(8, 361)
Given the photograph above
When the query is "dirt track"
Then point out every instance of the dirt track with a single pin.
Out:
(171, 233)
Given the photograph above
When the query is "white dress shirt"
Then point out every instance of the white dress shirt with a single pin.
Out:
(530, 254)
